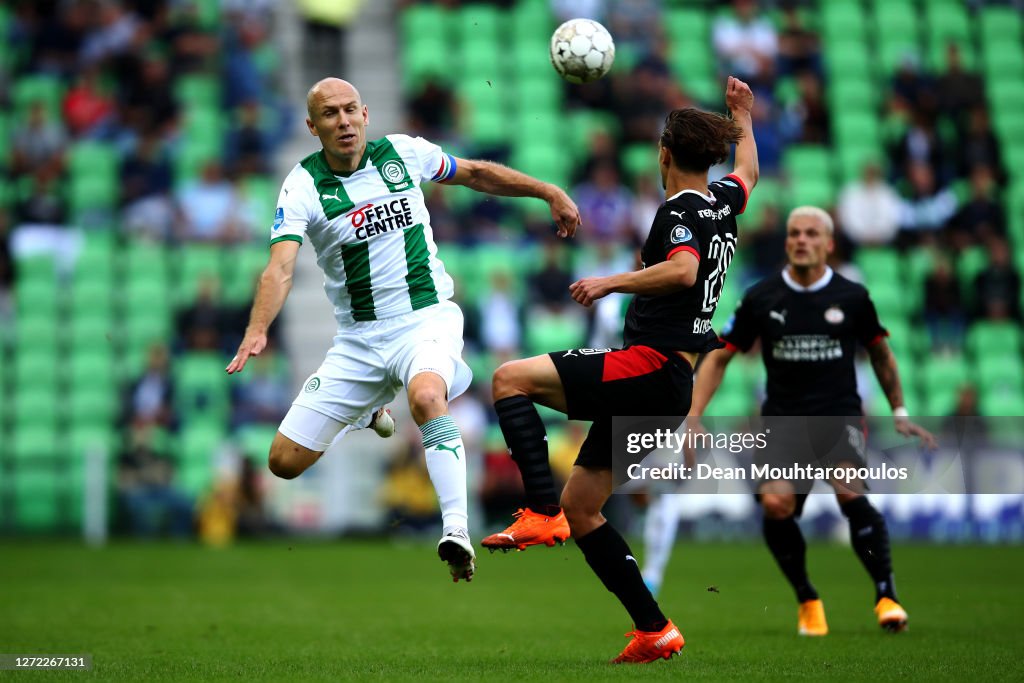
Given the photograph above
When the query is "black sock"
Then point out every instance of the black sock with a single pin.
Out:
(528, 444)
(787, 544)
(870, 538)
(609, 556)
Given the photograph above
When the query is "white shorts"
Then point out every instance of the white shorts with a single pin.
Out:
(369, 363)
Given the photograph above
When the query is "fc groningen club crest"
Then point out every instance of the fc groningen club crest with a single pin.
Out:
(312, 385)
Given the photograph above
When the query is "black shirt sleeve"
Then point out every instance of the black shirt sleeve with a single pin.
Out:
(674, 232)
(868, 327)
(732, 190)
(740, 330)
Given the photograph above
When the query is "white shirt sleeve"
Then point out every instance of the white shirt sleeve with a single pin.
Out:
(434, 164)
(292, 215)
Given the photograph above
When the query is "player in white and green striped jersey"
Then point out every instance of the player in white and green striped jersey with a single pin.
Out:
(359, 204)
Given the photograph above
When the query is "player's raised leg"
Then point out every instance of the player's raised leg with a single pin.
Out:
(446, 464)
(608, 554)
(786, 542)
(516, 387)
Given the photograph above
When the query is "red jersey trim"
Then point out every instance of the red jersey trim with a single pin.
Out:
(729, 346)
(878, 338)
(632, 362)
(683, 248)
(746, 192)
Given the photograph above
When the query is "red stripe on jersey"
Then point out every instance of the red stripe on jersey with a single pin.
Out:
(882, 335)
(632, 362)
(729, 346)
(683, 248)
(746, 192)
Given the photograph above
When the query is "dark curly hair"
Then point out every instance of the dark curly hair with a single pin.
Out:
(698, 139)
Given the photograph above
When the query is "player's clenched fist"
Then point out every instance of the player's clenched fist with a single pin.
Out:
(738, 95)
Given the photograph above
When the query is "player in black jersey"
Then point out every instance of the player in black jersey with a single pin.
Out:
(668, 325)
(810, 321)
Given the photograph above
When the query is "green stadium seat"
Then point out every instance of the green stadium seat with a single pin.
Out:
(83, 438)
(198, 90)
(199, 444)
(92, 158)
(201, 388)
(36, 269)
(639, 159)
(549, 331)
(32, 368)
(247, 263)
(999, 25)
(36, 299)
(196, 262)
(34, 444)
(947, 20)
(544, 92)
(1002, 62)
(726, 404)
(91, 328)
(812, 191)
(478, 21)
(1000, 373)
(994, 339)
(853, 94)
(144, 328)
(807, 161)
(36, 505)
(542, 161)
(1000, 404)
(94, 405)
(848, 60)
(879, 265)
(969, 263)
(36, 334)
(37, 88)
(149, 261)
(424, 19)
(254, 441)
(426, 58)
(90, 366)
(857, 129)
(37, 407)
(843, 19)
(888, 297)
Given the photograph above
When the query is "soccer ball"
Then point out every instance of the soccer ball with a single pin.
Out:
(582, 50)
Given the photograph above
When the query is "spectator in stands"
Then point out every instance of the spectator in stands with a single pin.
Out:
(602, 149)
(765, 244)
(549, 286)
(926, 208)
(149, 401)
(248, 149)
(944, 313)
(913, 90)
(606, 203)
(208, 205)
(147, 494)
(648, 196)
(869, 209)
(432, 111)
(114, 32)
(146, 170)
(146, 92)
(959, 91)
(499, 308)
(746, 44)
(982, 217)
(799, 47)
(922, 145)
(980, 147)
(7, 270)
(636, 25)
(43, 205)
(810, 112)
(997, 287)
(264, 395)
(768, 133)
(37, 143)
(88, 110)
(206, 324)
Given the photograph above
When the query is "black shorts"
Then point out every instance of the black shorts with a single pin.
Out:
(600, 384)
(811, 442)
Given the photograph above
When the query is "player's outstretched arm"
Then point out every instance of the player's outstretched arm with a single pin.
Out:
(740, 100)
(272, 290)
(679, 272)
(502, 181)
(883, 362)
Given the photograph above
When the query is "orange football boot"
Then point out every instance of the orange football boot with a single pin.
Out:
(811, 619)
(650, 646)
(891, 616)
(530, 528)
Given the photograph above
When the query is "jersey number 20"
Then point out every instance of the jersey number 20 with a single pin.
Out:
(720, 251)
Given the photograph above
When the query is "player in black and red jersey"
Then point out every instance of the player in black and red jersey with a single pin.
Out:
(685, 257)
(810, 321)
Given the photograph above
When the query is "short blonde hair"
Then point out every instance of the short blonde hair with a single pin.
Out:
(820, 214)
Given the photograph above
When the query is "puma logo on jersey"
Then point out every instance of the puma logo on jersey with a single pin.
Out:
(781, 317)
(676, 213)
(454, 451)
(334, 196)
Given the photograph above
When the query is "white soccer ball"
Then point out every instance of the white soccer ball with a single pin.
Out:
(582, 50)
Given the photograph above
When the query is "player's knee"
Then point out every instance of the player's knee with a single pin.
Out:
(427, 401)
(778, 506)
(288, 459)
(507, 381)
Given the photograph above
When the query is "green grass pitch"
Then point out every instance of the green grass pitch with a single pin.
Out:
(360, 610)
